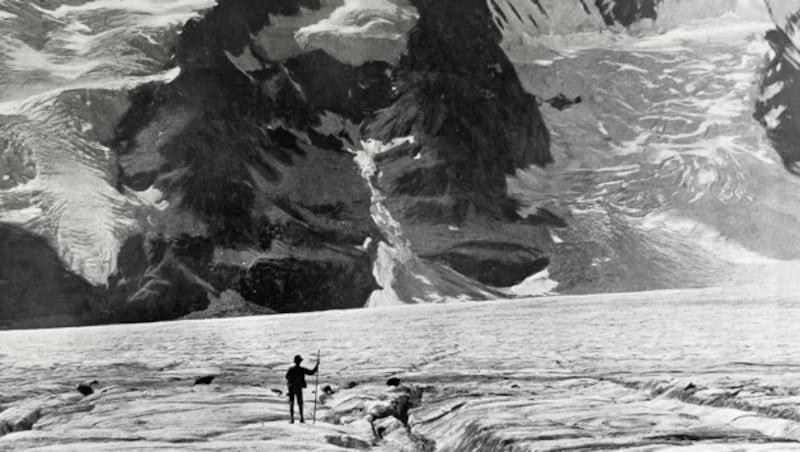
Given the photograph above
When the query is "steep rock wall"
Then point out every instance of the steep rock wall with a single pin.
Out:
(778, 107)
(259, 202)
(459, 97)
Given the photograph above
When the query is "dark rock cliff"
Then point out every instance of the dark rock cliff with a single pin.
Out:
(238, 154)
(36, 288)
(473, 124)
(778, 109)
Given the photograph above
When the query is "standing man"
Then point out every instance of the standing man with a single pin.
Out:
(296, 381)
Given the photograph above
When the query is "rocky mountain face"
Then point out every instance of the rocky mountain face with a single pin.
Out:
(296, 155)
(458, 96)
(250, 154)
(272, 208)
(780, 91)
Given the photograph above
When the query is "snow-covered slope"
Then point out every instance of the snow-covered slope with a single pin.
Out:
(522, 21)
(62, 88)
(661, 172)
(65, 72)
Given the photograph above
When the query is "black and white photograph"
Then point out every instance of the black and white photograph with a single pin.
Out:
(400, 225)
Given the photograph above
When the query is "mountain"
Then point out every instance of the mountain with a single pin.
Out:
(240, 171)
(661, 171)
(301, 155)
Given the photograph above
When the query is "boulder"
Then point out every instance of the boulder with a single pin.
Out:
(87, 389)
(18, 418)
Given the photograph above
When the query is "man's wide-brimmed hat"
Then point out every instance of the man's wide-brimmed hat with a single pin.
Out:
(297, 358)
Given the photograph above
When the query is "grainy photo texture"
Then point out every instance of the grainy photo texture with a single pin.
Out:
(400, 225)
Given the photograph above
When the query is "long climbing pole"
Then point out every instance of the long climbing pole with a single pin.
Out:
(316, 388)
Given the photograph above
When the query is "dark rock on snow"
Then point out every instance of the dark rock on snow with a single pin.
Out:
(562, 102)
(626, 13)
(206, 380)
(87, 388)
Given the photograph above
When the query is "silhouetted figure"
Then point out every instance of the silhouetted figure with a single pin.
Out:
(296, 381)
(86, 389)
(204, 380)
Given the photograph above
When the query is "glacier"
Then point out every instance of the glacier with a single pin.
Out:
(707, 369)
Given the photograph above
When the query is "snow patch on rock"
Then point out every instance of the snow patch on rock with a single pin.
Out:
(398, 249)
(158, 13)
(537, 284)
(362, 30)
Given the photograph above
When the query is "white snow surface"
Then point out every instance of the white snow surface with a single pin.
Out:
(711, 369)
(362, 30)
(172, 10)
